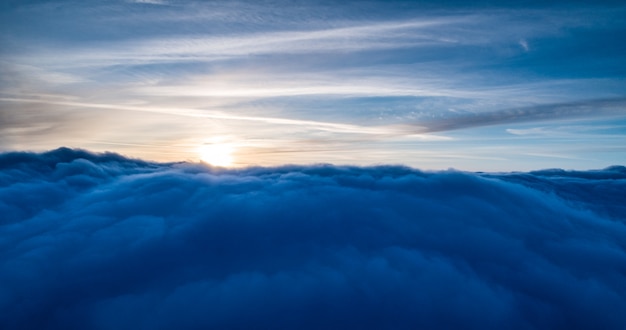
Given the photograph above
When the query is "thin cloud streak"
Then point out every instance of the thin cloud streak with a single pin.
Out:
(388, 82)
(204, 48)
(595, 108)
(358, 37)
(354, 36)
(323, 126)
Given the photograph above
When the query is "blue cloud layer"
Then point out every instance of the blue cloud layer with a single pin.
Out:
(104, 242)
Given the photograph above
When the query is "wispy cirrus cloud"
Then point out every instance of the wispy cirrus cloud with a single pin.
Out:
(544, 112)
(341, 74)
(355, 37)
(324, 126)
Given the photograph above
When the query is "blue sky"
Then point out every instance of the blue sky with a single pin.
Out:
(487, 86)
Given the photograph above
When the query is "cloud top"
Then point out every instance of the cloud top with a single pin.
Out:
(102, 241)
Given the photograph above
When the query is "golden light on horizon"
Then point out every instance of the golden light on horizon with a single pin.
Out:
(217, 154)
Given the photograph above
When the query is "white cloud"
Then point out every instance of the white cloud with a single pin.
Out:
(528, 131)
(524, 44)
(151, 2)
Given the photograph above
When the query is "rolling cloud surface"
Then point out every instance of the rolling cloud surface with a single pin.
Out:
(105, 242)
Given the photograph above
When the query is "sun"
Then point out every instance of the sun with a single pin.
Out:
(217, 154)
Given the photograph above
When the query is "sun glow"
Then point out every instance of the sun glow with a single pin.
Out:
(217, 154)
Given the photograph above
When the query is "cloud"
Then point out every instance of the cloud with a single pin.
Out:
(102, 241)
(545, 112)
(151, 2)
(293, 30)
(524, 44)
(195, 113)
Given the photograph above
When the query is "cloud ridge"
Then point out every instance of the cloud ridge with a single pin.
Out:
(101, 241)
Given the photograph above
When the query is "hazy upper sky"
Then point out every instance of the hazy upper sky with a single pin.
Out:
(486, 86)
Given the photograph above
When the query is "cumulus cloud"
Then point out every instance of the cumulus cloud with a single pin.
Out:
(102, 241)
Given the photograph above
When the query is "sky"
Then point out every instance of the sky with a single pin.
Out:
(486, 86)
(312, 164)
